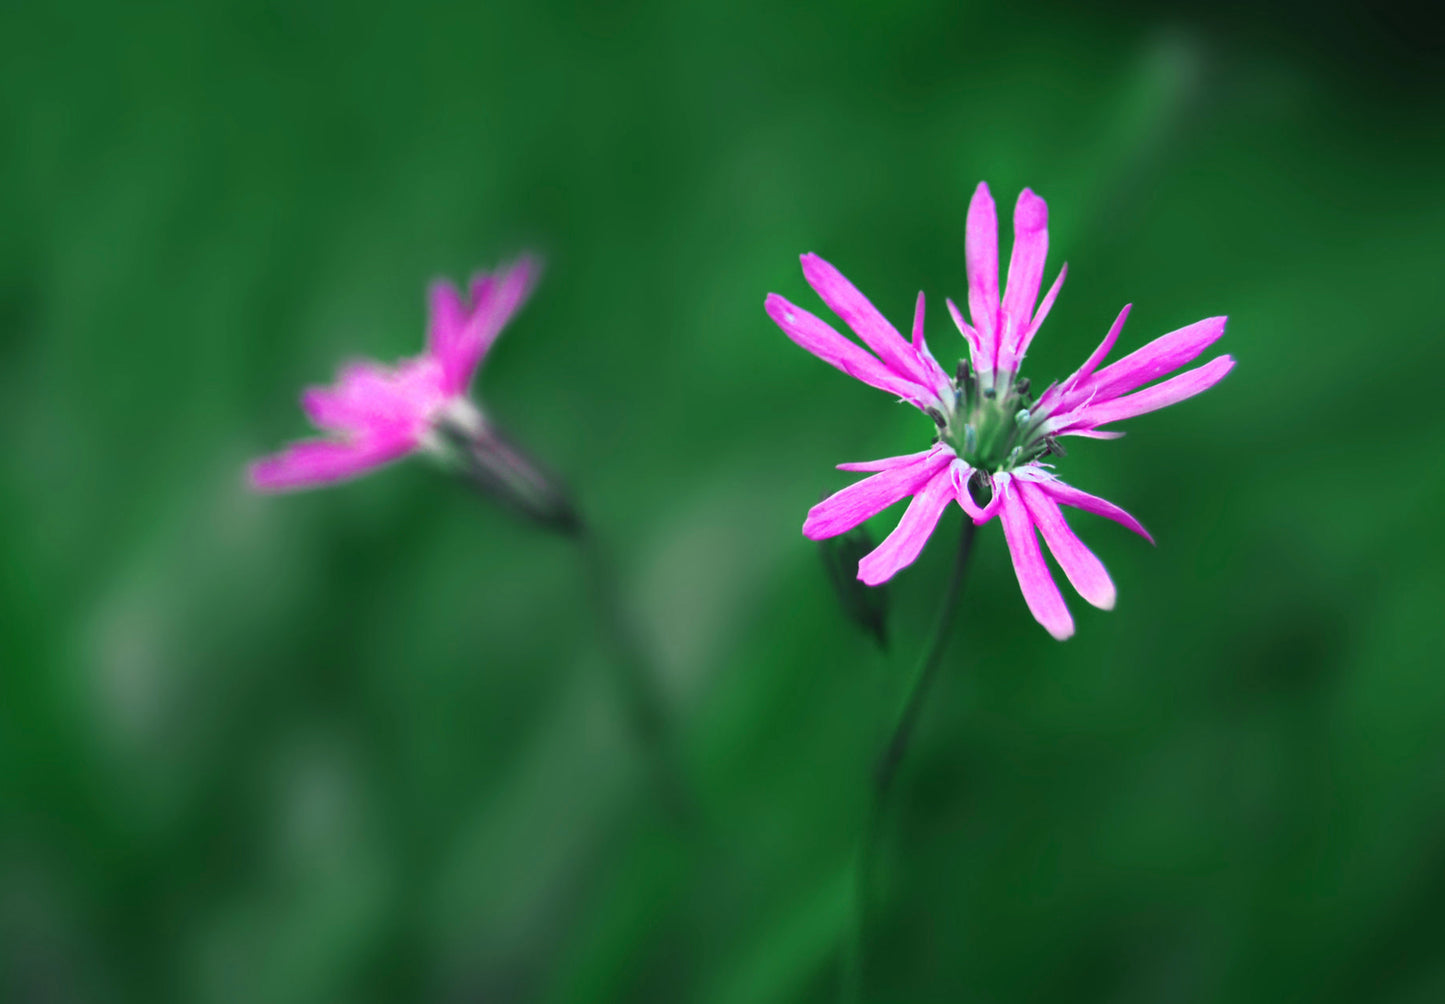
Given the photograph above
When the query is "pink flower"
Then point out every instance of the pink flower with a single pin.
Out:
(376, 414)
(991, 435)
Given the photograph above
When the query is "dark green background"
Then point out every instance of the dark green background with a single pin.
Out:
(360, 744)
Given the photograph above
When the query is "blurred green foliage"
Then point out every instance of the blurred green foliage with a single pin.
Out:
(358, 745)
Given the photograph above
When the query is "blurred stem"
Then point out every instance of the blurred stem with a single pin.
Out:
(498, 468)
(927, 670)
(635, 675)
(892, 759)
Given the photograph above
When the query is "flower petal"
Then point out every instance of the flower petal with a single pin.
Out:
(982, 359)
(961, 474)
(1066, 494)
(1062, 396)
(843, 298)
(1164, 354)
(446, 317)
(1043, 311)
(1161, 395)
(316, 462)
(1084, 570)
(819, 338)
(842, 511)
(369, 400)
(481, 287)
(1041, 593)
(1025, 276)
(938, 380)
(1094, 433)
(981, 254)
(902, 547)
(886, 463)
(496, 302)
(332, 408)
(1101, 353)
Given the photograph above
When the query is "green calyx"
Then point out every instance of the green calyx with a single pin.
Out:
(993, 429)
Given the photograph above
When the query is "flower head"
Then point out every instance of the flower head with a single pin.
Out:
(992, 435)
(375, 413)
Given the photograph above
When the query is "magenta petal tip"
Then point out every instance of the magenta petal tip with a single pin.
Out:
(1031, 213)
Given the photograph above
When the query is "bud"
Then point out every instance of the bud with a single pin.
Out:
(864, 606)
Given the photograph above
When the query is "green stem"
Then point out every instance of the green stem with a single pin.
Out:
(635, 675)
(501, 470)
(892, 759)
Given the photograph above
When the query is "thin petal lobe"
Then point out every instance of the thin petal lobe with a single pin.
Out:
(1040, 591)
(842, 511)
(1085, 572)
(902, 547)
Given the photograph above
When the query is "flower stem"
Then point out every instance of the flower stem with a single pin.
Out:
(927, 669)
(892, 758)
(635, 675)
(498, 468)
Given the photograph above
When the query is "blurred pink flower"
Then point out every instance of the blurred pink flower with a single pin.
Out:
(991, 435)
(376, 413)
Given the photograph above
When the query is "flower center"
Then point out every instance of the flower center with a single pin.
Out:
(993, 429)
